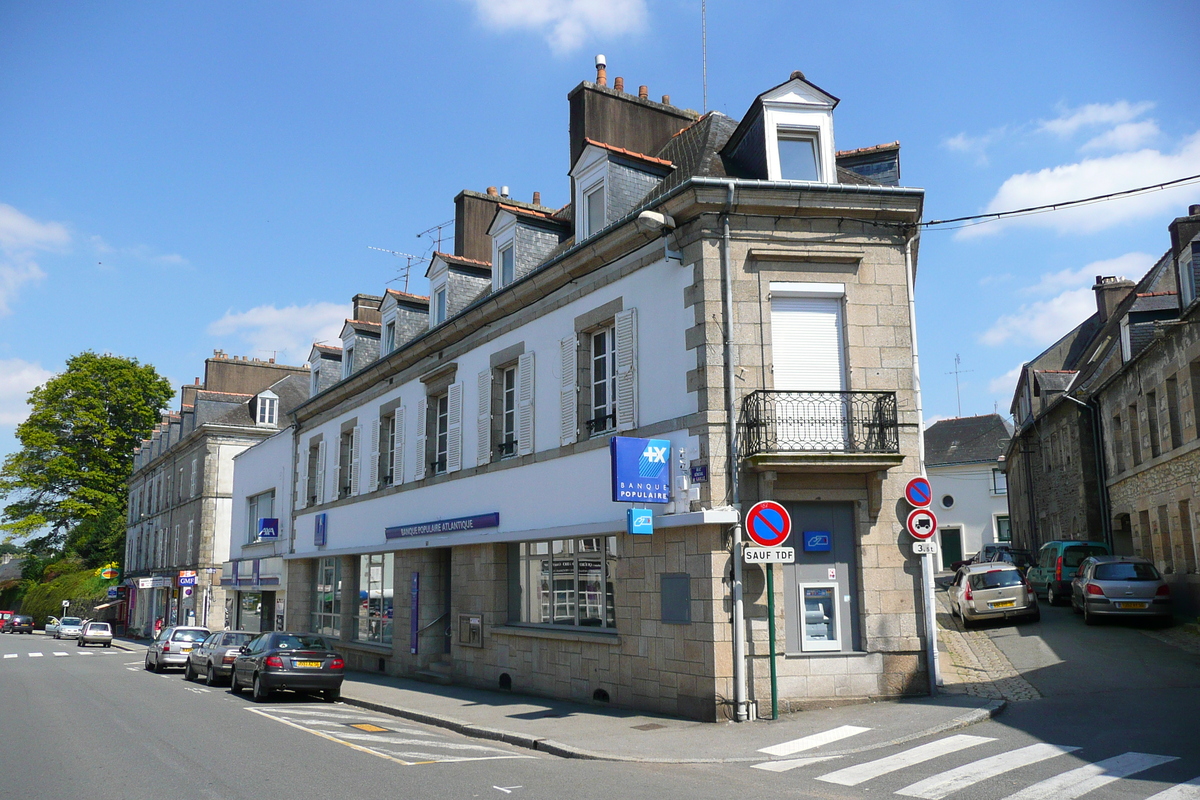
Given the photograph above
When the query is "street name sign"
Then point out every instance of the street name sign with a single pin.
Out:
(769, 555)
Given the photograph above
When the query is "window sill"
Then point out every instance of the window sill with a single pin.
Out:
(828, 654)
(537, 632)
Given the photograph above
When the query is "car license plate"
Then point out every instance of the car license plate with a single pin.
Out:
(1003, 604)
(309, 664)
(185, 649)
(1130, 605)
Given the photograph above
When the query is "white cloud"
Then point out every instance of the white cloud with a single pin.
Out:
(17, 378)
(1090, 178)
(1044, 321)
(1071, 121)
(289, 331)
(1130, 265)
(138, 252)
(1126, 136)
(21, 238)
(974, 145)
(934, 418)
(565, 24)
(1006, 384)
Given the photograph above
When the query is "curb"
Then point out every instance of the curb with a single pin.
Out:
(562, 750)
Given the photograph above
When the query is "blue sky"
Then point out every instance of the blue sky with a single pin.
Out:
(179, 177)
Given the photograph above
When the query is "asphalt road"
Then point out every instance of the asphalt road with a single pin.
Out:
(1118, 723)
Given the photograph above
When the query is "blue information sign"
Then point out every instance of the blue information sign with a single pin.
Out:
(817, 541)
(320, 530)
(641, 470)
(639, 521)
(112, 593)
(268, 528)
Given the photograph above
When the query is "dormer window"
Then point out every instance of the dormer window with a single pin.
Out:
(787, 135)
(389, 336)
(348, 362)
(798, 155)
(593, 202)
(507, 265)
(439, 305)
(267, 409)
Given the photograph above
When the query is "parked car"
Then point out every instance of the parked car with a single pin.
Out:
(51, 626)
(992, 590)
(96, 633)
(172, 646)
(69, 628)
(5, 616)
(986, 554)
(17, 624)
(213, 658)
(1021, 559)
(1056, 565)
(1120, 586)
(303, 662)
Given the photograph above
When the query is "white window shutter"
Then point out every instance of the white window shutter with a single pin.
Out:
(301, 477)
(398, 449)
(454, 427)
(483, 431)
(419, 466)
(355, 460)
(568, 392)
(321, 472)
(627, 382)
(525, 404)
(373, 459)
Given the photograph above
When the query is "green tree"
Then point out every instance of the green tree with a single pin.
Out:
(66, 485)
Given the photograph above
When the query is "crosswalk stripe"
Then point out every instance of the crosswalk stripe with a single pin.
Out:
(950, 781)
(861, 773)
(791, 763)
(61, 653)
(1078, 782)
(815, 740)
(10, 655)
(87, 653)
(368, 737)
(1181, 791)
(35, 655)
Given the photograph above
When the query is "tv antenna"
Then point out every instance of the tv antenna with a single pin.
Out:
(409, 259)
(956, 372)
(704, 50)
(437, 228)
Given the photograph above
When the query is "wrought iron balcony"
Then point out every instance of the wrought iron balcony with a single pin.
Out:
(777, 422)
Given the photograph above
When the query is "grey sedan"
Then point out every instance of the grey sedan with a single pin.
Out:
(1120, 586)
(214, 657)
(994, 590)
(69, 628)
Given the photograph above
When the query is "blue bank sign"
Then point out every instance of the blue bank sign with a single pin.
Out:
(641, 470)
(268, 528)
(456, 525)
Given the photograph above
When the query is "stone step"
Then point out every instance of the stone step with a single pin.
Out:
(432, 676)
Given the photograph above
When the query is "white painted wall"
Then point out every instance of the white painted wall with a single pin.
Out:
(266, 466)
(976, 506)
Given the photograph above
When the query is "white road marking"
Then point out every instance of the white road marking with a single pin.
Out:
(435, 758)
(134, 663)
(372, 737)
(861, 773)
(87, 653)
(508, 789)
(197, 689)
(311, 713)
(35, 655)
(792, 763)
(60, 653)
(1180, 791)
(1078, 782)
(10, 655)
(815, 740)
(950, 781)
(133, 669)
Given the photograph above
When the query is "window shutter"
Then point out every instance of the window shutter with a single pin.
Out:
(419, 466)
(484, 419)
(454, 427)
(373, 459)
(301, 477)
(568, 393)
(398, 449)
(321, 472)
(627, 385)
(525, 404)
(195, 471)
(806, 344)
(355, 459)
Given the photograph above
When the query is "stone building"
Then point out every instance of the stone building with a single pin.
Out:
(720, 293)
(178, 527)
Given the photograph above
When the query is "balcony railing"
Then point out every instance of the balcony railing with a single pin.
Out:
(818, 422)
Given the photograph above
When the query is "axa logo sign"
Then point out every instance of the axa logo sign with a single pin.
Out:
(641, 470)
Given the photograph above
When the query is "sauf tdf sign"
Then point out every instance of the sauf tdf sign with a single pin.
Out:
(641, 470)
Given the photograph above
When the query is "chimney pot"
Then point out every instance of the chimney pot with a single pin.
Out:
(1194, 211)
(644, 92)
(798, 75)
(504, 191)
(537, 198)
(491, 190)
(197, 382)
(666, 100)
(619, 84)
(601, 72)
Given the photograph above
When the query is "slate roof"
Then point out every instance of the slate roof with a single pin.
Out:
(966, 440)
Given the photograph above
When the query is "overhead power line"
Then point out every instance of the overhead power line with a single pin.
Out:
(979, 219)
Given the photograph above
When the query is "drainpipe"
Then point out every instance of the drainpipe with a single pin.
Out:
(739, 618)
(927, 565)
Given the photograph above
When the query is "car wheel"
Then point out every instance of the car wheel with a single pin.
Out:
(1089, 618)
(189, 674)
(1051, 596)
(259, 692)
(234, 686)
(332, 695)
(1036, 616)
(158, 668)
(210, 677)
(148, 662)
(79, 644)
(108, 644)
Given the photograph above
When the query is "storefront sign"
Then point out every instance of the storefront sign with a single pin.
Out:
(112, 593)
(639, 521)
(817, 541)
(641, 470)
(268, 528)
(319, 530)
(456, 525)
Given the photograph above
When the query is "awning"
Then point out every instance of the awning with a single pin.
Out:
(109, 604)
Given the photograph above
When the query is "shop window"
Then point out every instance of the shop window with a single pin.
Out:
(327, 598)
(565, 582)
(260, 506)
(375, 591)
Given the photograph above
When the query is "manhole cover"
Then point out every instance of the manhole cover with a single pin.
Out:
(649, 726)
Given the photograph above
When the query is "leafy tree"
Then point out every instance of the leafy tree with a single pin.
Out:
(66, 485)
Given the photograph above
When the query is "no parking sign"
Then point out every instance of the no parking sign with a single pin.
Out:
(768, 523)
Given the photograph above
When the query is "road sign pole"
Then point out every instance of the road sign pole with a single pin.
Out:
(931, 657)
(771, 638)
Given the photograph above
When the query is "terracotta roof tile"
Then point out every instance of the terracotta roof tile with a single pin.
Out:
(527, 211)
(462, 260)
(612, 148)
(877, 148)
(407, 295)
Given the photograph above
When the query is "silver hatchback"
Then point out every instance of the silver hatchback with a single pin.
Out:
(173, 645)
(1120, 586)
(992, 590)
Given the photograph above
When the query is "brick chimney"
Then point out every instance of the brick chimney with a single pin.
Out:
(1110, 291)
(1184, 229)
(366, 307)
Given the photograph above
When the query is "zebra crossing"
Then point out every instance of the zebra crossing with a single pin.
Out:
(1068, 784)
(65, 654)
(404, 743)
